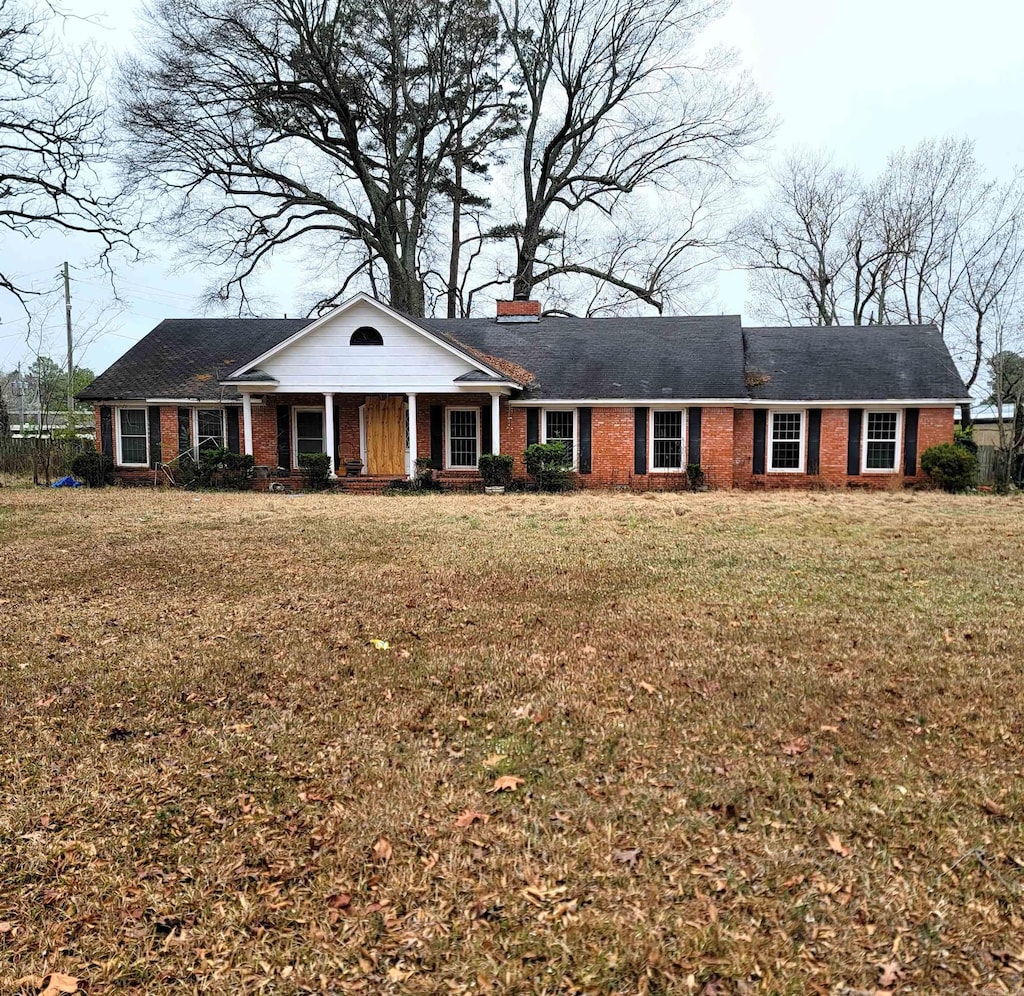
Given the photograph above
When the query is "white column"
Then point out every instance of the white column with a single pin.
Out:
(412, 436)
(495, 422)
(247, 422)
(329, 431)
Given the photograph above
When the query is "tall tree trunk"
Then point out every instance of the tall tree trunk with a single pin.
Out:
(456, 248)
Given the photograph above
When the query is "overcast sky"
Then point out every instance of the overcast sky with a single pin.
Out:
(858, 77)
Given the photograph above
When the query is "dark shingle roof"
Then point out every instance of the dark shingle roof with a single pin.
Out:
(855, 363)
(641, 358)
(187, 357)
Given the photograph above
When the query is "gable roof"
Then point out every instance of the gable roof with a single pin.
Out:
(575, 359)
(850, 363)
(628, 358)
(188, 357)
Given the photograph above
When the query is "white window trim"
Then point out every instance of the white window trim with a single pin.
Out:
(650, 437)
(117, 434)
(195, 426)
(770, 439)
(575, 430)
(898, 456)
(448, 465)
(295, 429)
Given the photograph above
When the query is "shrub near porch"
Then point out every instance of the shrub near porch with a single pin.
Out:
(697, 743)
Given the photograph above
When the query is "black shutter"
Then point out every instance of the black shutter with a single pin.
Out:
(532, 426)
(693, 436)
(155, 449)
(107, 432)
(232, 415)
(910, 420)
(437, 437)
(640, 440)
(814, 441)
(584, 416)
(284, 437)
(486, 439)
(184, 429)
(853, 442)
(760, 438)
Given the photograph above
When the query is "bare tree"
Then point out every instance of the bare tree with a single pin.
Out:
(273, 124)
(617, 105)
(932, 240)
(53, 141)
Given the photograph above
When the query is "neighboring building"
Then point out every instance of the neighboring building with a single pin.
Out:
(635, 399)
(985, 422)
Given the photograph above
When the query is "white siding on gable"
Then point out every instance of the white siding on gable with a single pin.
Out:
(323, 360)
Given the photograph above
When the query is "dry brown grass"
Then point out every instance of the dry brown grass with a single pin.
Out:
(767, 743)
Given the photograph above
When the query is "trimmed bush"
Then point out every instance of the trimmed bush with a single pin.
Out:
(549, 465)
(951, 467)
(94, 469)
(316, 470)
(496, 470)
(695, 476)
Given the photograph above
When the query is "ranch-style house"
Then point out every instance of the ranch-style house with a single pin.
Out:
(635, 400)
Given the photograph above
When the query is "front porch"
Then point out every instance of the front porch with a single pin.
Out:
(374, 439)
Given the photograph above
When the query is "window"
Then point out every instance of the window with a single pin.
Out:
(463, 437)
(786, 442)
(133, 435)
(366, 336)
(209, 428)
(309, 431)
(560, 426)
(881, 441)
(667, 440)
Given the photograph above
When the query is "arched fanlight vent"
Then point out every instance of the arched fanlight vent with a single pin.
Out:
(366, 336)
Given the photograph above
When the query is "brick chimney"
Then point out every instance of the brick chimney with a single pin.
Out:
(519, 311)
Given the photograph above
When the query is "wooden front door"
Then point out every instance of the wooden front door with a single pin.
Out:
(385, 435)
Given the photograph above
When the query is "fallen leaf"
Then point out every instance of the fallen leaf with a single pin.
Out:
(627, 856)
(60, 984)
(506, 783)
(889, 974)
(382, 850)
(35, 981)
(647, 687)
(339, 900)
(470, 816)
(6, 926)
(837, 845)
(993, 808)
(800, 745)
(493, 761)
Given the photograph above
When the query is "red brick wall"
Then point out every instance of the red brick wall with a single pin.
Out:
(168, 432)
(935, 425)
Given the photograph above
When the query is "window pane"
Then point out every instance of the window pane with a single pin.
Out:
(211, 429)
(133, 449)
(881, 441)
(462, 434)
(560, 427)
(667, 450)
(133, 421)
(309, 432)
(786, 429)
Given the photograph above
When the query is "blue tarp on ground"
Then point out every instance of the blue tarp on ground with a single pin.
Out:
(66, 482)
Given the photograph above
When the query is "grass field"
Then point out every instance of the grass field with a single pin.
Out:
(709, 744)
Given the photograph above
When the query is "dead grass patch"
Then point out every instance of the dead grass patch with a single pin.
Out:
(721, 743)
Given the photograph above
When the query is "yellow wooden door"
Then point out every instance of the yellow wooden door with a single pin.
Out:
(385, 436)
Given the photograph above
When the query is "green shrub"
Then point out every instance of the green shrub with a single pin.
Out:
(316, 470)
(695, 475)
(951, 467)
(95, 469)
(217, 469)
(496, 470)
(963, 435)
(549, 466)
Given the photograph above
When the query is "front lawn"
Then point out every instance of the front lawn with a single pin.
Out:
(718, 744)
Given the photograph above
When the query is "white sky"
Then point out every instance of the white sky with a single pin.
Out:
(857, 77)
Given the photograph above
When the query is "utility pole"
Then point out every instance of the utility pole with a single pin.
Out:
(71, 365)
